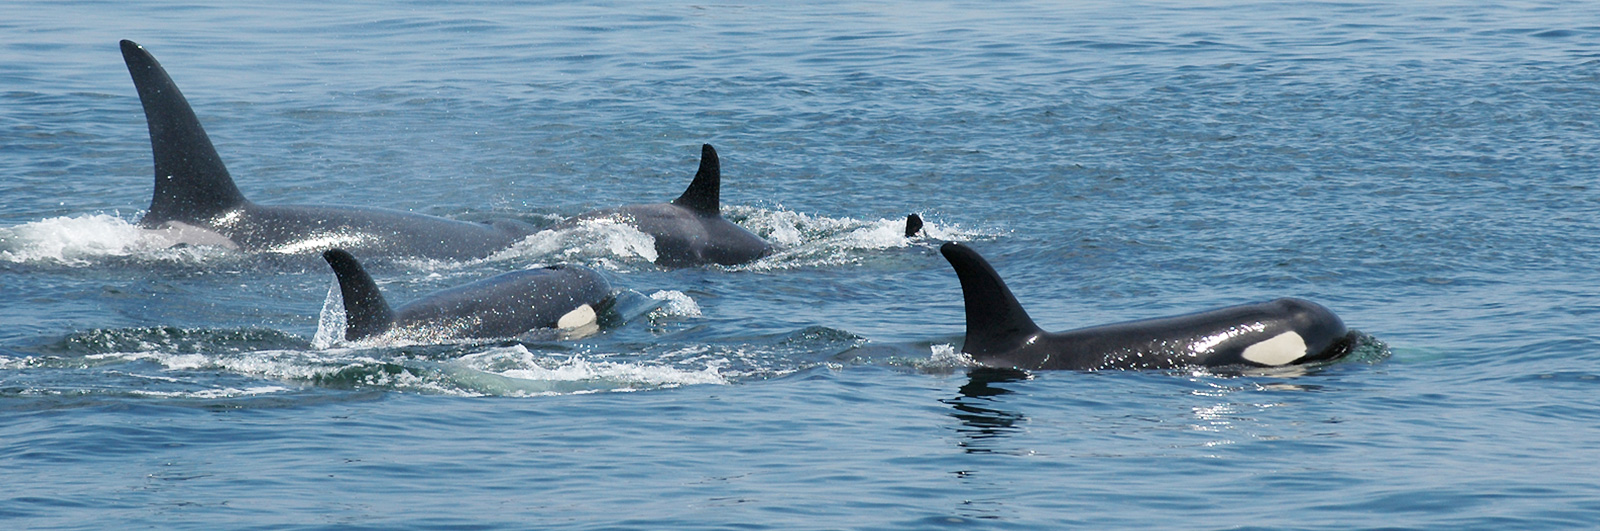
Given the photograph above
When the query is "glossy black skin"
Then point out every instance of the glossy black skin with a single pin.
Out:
(193, 190)
(291, 229)
(685, 238)
(502, 306)
(690, 231)
(1000, 334)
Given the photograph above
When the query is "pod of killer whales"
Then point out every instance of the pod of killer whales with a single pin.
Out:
(195, 201)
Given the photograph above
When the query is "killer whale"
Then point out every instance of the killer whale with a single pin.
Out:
(913, 225)
(1000, 333)
(690, 230)
(561, 297)
(196, 201)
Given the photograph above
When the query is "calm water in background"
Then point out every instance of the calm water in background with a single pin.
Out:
(1425, 169)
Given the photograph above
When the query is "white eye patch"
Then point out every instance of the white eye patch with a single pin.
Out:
(584, 316)
(1281, 349)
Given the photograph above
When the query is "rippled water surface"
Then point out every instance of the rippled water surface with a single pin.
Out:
(1427, 170)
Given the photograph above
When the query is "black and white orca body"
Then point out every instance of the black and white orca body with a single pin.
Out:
(690, 231)
(1270, 334)
(565, 297)
(196, 201)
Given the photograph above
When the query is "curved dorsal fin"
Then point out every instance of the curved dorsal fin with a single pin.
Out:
(703, 195)
(191, 182)
(913, 225)
(365, 311)
(996, 322)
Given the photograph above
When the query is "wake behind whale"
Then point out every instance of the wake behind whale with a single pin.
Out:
(196, 202)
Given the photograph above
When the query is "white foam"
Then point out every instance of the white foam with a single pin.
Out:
(184, 362)
(226, 392)
(804, 240)
(168, 361)
(331, 321)
(517, 362)
(438, 332)
(77, 240)
(946, 355)
(269, 363)
(677, 304)
(594, 241)
(782, 228)
(70, 239)
(579, 369)
(508, 370)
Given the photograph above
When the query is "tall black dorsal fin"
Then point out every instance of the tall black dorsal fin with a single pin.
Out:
(913, 225)
(365, 311)
(704, 194)
(191, 182)
(996, 322)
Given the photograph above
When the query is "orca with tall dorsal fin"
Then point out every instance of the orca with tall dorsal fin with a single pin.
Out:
(564, 297)
(690, 230)
(1270, 334)
(196, 201)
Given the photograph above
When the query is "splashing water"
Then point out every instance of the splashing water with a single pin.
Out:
(604, 243)
(800, 240)
(675, 304)
(331, 321)
(72, 240)
(946, 355)
(517, 362)
(81, 240)
(809, 241)
(511, 370)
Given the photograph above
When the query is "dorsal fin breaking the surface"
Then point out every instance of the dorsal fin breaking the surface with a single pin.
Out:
(913, 225)
(366, 313)
(996, 322)
(703, 195)
(191, 182)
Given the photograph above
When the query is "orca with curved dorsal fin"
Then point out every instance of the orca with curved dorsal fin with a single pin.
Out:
(690, 230)
(195, 198)
(704, 194)
(1270, 334)
(561, 297)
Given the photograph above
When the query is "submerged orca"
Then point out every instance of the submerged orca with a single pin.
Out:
(562, 296)
(196, 201)
(690, 230)
(1269, 334)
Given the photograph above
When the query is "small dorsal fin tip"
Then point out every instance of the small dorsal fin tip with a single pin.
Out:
(913, 225)
(704, 194)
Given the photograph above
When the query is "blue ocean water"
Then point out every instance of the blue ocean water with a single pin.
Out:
(1425, 169)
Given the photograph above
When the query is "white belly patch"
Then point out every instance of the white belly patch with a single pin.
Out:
(1282, 349)
(173, 233)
